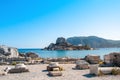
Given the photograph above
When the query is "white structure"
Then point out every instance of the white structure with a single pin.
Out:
(95, 69)
(79, 44)
(13, 52)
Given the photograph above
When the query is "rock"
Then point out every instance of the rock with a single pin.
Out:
(22, 55)
(55, 73)
(2, 51)
(51, 46)
(61, 40)
(53, 64)
(9, 52)
(32, 55)
(19, 68)
(112, 58)
(82, 64)
(92, 59)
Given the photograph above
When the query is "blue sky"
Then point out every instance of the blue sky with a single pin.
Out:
(36, 23)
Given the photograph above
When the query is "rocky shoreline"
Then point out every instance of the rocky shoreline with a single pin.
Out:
(112, 59)
(72, 66)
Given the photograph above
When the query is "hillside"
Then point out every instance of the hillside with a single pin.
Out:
(93, 41)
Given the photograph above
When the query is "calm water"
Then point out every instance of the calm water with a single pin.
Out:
(72, 54)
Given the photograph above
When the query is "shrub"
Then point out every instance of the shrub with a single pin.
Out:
(13, 63)
(115, 71)
(61, 69)
(100, 73)
(101, 62)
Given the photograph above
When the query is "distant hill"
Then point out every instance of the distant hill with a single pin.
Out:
(93, 41)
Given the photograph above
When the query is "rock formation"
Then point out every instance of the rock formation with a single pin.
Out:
(9, 52)
(112, 58)
(62, 44)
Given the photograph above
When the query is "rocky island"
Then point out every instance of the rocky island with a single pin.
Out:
(62, 44)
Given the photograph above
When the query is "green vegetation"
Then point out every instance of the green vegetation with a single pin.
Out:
(100, 73)
(115, 71)
(94, 42)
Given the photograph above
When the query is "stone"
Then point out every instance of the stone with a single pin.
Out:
(112, 58)
(18, 69)
(60, 40)
(56, 69)
(52, 66)
(51, 46)
(9, 52)
(55, 73)
(93, 59)
(32, 55)
(82, 64)
(2, 51)
(20, 66)
(22, 55)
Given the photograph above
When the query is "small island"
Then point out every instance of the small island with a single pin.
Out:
(62, 44)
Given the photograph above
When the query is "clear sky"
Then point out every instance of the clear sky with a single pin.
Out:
(36, 23)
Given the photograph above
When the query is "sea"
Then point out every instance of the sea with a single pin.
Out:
(70, 53)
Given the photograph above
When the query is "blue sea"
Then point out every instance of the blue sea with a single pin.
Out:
(71, 54)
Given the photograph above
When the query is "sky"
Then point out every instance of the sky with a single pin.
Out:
(37, 23)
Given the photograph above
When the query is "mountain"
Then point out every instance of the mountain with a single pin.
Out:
(94, 42)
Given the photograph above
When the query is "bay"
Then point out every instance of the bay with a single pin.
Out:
(71, 54)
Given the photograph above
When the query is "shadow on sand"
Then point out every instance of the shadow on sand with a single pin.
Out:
(89, 75)
(44, 71)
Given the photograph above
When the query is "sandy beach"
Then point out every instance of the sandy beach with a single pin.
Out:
(38, 72)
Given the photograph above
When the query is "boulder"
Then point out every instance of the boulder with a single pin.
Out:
(93, 59)
(32, 55)
(82, 64)
(10, 52)
(2, 51)
(17, 69)
(112, 58)
(22, 55)
(52, 66)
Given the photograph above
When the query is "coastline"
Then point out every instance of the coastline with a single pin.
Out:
(70, 53)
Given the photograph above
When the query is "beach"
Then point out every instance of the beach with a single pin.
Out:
(38, 72)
